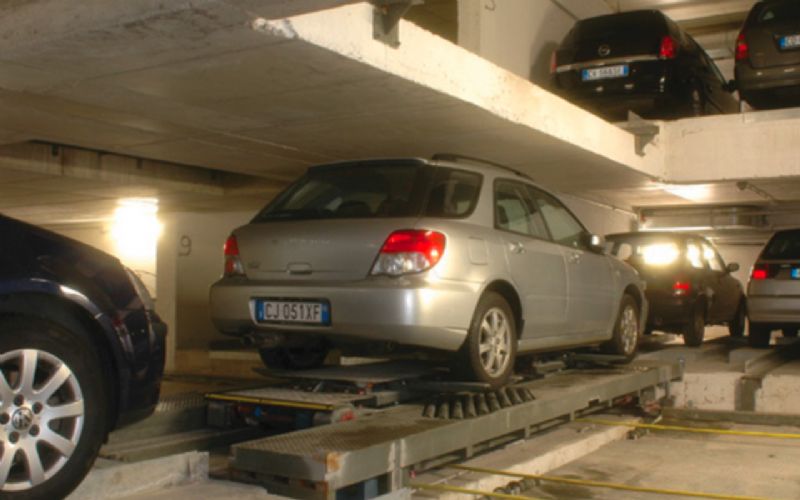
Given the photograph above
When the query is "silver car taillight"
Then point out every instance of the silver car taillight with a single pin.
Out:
(233, 263)
(409, 251)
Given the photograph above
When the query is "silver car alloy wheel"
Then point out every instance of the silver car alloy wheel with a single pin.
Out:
(495, 342)
(629, 329)
(41, 417)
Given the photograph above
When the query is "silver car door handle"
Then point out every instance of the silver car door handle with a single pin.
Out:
(574, 258)
(516, 247)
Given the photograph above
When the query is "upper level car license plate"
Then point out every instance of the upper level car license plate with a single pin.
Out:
(605, 72)
(790, 42)
(291, 311)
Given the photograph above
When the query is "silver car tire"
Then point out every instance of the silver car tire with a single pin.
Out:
(490, 350)
(627, 332)
(53, 409)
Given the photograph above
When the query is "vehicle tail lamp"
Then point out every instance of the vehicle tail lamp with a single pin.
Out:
(668, 49)
(660, 254)
(759, 273)
(553, 62)
(681, 288)
(742, 50)
(409, 251)
(233, 263)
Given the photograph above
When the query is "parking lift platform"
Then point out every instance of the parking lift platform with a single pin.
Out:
(378, 452)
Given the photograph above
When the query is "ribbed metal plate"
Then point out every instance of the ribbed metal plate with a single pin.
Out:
(369, 373)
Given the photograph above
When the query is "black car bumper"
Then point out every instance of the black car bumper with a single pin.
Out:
(141, 381)
(669, 312)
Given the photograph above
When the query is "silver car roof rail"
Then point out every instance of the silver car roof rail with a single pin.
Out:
(455, 157)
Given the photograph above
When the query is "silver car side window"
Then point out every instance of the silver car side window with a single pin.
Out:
(515, 212)
(564, 227)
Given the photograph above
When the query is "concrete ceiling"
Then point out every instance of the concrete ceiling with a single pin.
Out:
(210, 84)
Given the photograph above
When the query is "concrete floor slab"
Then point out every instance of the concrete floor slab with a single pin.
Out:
(110, 479)
(726, 465)
(539, 455)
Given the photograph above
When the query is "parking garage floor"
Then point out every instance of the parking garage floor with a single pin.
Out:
(757, 466)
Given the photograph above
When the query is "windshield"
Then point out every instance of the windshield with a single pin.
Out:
(785, 11)
(783, 246)
(631, 25)
(378, 190)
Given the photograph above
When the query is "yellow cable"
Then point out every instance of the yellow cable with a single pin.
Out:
(776, 435)
(601, 484)
(468, 491)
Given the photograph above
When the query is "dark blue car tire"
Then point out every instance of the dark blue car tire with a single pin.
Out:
(64, 407)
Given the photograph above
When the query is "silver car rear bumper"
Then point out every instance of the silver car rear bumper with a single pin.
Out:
(433, 315)
(773, 309)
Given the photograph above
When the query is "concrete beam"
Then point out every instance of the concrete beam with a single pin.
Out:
(757, 145)
(96, 166)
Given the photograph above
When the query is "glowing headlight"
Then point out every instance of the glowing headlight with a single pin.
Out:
(660, 254)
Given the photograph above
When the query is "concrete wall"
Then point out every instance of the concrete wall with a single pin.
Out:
(598, 219)
(189, 261)
(520, 35)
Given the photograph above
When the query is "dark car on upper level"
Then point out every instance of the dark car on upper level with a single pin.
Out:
(689, 286)
(768, 55)
(638, 61)
(81, 353)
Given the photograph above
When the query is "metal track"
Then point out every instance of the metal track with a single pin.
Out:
(375, 453)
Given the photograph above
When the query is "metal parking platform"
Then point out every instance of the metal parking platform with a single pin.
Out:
(378, 452)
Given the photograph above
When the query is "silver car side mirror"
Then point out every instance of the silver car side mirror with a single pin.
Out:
(597, 243)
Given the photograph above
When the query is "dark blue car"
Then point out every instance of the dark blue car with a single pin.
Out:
(81, 354)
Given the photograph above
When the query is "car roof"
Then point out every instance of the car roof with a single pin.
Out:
(438, 160)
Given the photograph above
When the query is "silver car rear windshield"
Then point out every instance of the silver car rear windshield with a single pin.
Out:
(783, 246)
(376, 191)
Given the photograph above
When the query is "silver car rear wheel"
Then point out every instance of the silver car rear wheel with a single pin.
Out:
(490, 348)
(495, 341)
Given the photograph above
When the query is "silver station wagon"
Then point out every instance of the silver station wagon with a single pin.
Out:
(773, 292)
(451, 255)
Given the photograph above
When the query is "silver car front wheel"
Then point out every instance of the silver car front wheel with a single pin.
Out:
(625, 337)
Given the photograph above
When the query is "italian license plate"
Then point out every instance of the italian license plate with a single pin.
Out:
(790, 42)
(605, 72)
(796, 273)
(293, 311)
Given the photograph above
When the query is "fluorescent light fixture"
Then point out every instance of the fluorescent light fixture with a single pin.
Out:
(136, 229)
(690, 192)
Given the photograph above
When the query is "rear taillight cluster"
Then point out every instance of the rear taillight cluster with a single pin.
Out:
(233, 262)
(668, 48)
(681, 288)
(742, 50)
(761, 272)
(409, 251)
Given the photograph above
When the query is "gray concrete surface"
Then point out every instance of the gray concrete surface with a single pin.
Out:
(728, 465)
